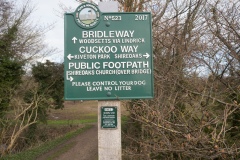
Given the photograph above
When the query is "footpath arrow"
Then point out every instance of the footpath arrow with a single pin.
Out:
(69, 78)
(74, 39)
(146, 55)
(70, 57)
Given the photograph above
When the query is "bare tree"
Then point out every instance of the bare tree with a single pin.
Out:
(21, 43)
(195, 112)
(24, 115)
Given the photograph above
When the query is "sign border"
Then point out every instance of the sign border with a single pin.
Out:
(107, 97)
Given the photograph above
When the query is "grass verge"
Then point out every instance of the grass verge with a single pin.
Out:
(33, 153)
(61, 151)
(70, 122)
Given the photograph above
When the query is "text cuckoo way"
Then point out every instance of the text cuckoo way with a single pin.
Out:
(107, 49)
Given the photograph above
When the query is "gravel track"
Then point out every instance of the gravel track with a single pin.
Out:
(82, 147)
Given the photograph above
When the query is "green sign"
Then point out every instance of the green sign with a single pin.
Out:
(107, 55)
(109, 117)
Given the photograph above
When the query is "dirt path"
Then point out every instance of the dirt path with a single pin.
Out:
(81, 147)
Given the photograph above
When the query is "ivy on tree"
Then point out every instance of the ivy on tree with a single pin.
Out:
(49, 75)
(11, 68)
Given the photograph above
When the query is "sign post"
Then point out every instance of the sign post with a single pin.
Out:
(109, 130)
(107, 57)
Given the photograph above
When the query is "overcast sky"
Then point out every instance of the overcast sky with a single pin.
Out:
(48, 12)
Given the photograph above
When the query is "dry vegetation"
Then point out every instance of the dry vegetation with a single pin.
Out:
(75, 110)
(73, 116)
(195, 113)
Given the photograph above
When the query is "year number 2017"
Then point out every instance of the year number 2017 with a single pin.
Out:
(141, 17)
